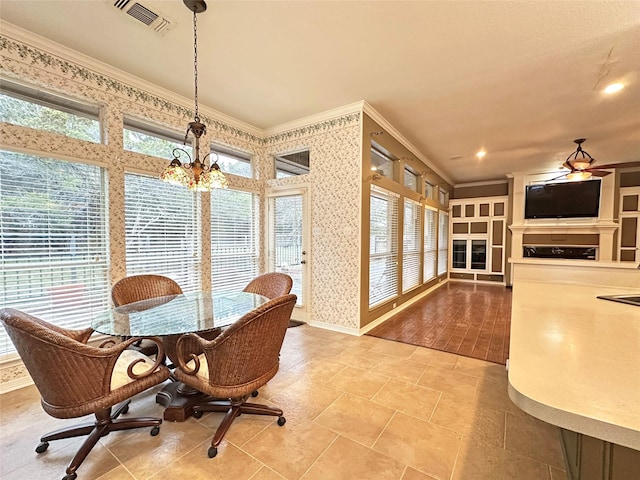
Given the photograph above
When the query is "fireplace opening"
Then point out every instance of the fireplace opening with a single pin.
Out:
(568, 252)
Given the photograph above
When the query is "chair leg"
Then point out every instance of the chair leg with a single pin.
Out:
(228, 419)
(87, 446)
(257, 409)
(105, 423)
(233, 409)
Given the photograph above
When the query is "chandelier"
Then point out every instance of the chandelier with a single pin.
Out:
(195, 174)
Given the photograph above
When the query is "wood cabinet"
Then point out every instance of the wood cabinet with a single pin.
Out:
(589, 458)
(478, 230)
(629, 217)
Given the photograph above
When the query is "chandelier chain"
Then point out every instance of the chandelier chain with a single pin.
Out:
(195, 64)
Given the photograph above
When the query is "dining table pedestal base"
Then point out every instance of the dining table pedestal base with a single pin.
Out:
(179, 400)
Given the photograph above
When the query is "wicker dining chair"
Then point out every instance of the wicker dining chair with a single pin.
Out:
(75, 379)
(143, 287)
(270, 285)
(241, 359)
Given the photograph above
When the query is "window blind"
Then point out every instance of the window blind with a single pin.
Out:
(162, 230)
(235, 253)
(411, 245)
(53, 242)
(383, 245)
(443, 241)
(430, 244)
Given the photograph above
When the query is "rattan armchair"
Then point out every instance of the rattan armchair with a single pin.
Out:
(75, 379)
(270, 285)
(241, 359)
(142, 287)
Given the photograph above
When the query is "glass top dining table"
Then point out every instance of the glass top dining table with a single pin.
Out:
(176, 314)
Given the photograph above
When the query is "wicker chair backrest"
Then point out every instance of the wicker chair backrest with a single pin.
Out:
(142, 287)
(270, 285)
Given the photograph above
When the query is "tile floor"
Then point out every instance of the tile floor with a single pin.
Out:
(356, 408)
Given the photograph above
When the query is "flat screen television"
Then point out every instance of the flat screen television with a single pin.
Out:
(563, 200)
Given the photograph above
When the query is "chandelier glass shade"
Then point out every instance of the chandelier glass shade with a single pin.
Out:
(194, 174)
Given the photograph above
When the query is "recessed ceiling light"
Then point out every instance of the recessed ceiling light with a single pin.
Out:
(481, 154)
(613, 88)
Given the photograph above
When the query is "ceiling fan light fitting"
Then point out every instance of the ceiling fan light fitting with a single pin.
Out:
(578, 176)
(580, 163)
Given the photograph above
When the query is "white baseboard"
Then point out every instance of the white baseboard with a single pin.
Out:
(16, 384)
(332, 327)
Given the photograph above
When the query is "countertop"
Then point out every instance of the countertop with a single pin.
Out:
(575, 359)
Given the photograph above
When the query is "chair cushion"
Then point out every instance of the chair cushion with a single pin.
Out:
(203, 372)
(119, 378)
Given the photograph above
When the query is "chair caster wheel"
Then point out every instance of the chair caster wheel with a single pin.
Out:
(70, 476)
(281, 421)
(197, 414)
(155, 431)
(42, 446)
(254, 394)
(212, 452)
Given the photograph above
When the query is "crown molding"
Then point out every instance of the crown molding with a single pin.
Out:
(314, 119)
(40, 43)
(480, 184)
(380, 120)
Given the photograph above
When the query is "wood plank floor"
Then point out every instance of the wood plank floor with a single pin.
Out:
(463, 318)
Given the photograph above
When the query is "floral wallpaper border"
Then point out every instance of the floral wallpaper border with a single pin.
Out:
(77, 72)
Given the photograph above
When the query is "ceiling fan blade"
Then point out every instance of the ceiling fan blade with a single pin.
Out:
(599, 173)
(617, 165)
(564, 175)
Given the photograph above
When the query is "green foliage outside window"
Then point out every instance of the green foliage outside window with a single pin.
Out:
(27, 114)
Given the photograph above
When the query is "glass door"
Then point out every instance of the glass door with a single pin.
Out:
(288, 242)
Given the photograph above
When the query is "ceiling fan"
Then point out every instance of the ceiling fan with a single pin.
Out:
(579, 163)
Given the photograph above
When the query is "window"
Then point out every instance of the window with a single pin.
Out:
(33, 108)
(430, 244)
(235, 250)
(428, 190)
(443, 196)
(154, 141)
(411, 245)
(383, 246)
(292, 164)
(53, 241)
(443, 239)
(162, 230)
(381, 163)
(230, 161)
(410, 179)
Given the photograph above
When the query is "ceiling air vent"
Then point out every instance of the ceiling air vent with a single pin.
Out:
(156, 21)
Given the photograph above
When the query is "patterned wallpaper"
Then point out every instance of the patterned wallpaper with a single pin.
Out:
(334, 177)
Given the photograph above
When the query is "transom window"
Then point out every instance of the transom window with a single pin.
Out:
(34, 108)
(231, 161)
(292, 164)
(151, 140)
(381, 163)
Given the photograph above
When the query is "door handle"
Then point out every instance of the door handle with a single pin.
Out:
(302, 262)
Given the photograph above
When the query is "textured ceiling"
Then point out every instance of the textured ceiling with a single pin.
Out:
(521, 79)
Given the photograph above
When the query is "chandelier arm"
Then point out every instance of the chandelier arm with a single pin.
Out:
(176, 153)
